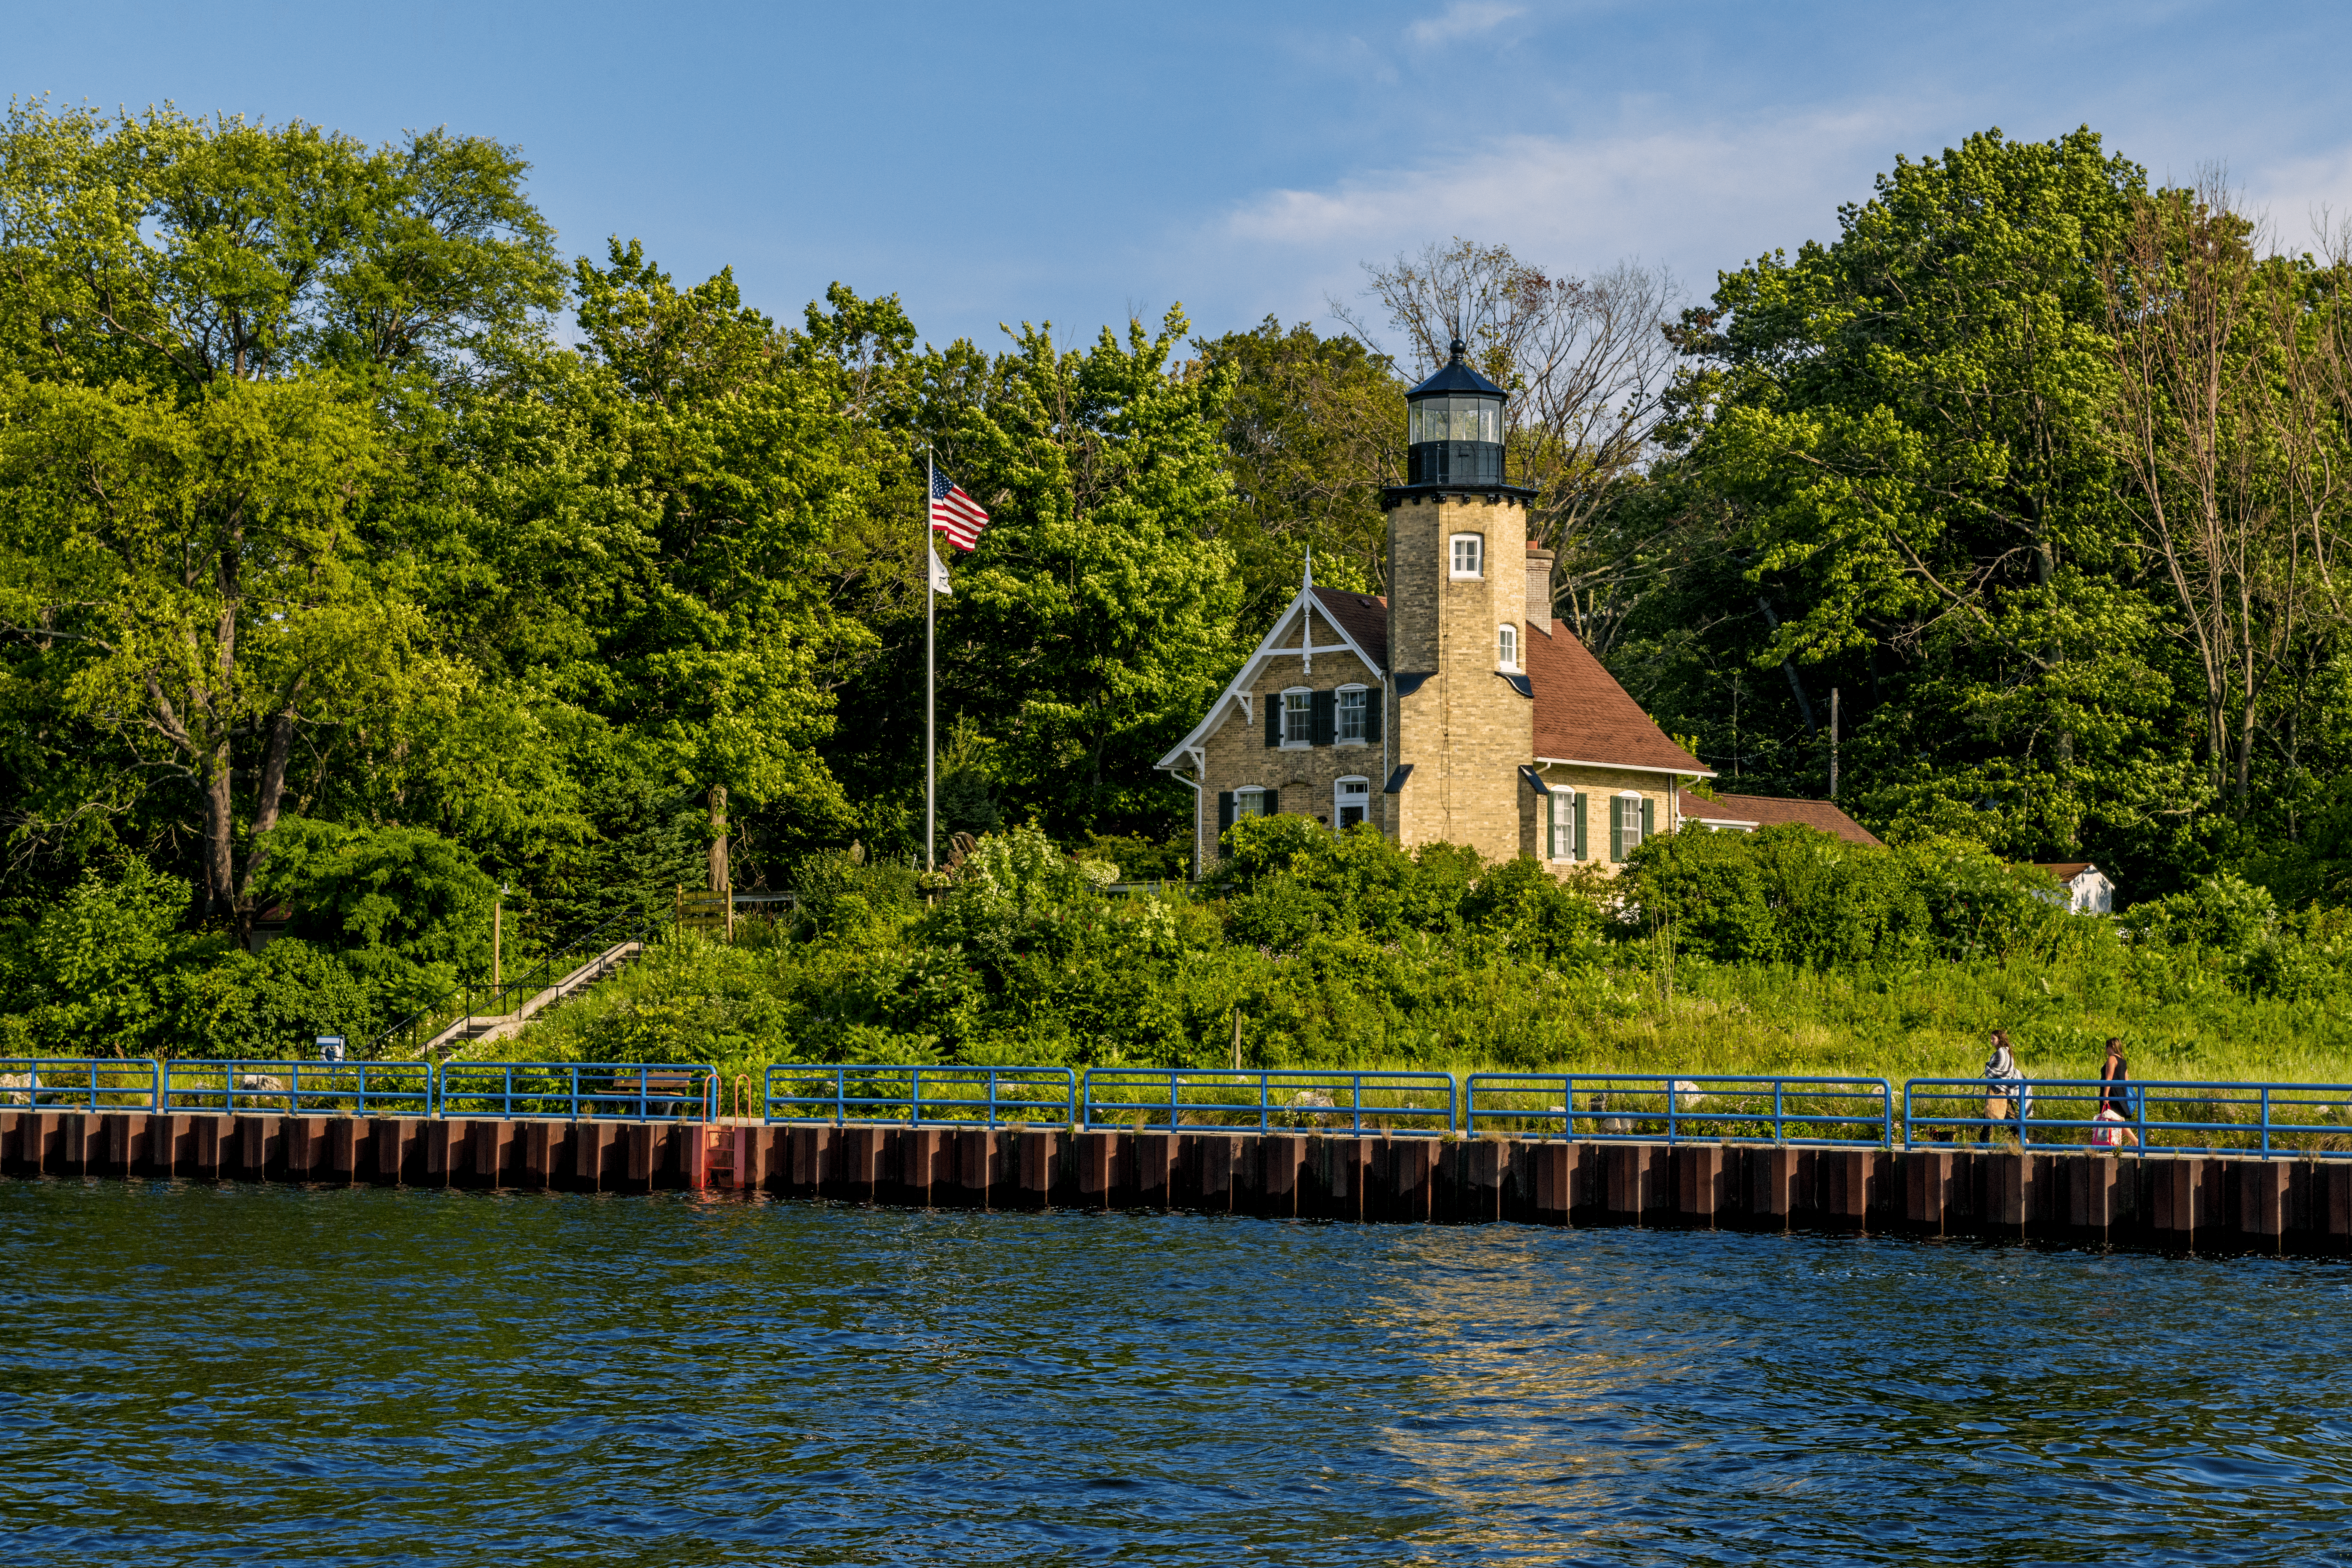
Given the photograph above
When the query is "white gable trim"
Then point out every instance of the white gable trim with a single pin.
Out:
(1236, 693)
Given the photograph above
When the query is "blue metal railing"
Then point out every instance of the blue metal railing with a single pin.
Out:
(77, 1083)
(579, 1092)
(292, 1087)
(1275, 1100)
(1837, 1112)
(917, 1095)
(2169, 1115)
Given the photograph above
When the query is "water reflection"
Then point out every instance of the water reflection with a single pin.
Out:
(208, 1374)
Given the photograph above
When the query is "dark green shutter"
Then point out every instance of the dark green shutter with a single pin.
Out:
(1649, 819)
(1581, 852)
(1616, 828)
(1376, 702)
(1225, 812)
(1273, 718)
(1323, 718)
(1273, 800)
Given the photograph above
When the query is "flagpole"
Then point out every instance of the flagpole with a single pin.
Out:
(931, 674)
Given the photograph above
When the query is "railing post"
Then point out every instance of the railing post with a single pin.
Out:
(915, 1098)
(1265, 1088)
(1779, 1128)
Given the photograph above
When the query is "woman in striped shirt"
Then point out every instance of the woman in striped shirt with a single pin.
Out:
(2005, 1092)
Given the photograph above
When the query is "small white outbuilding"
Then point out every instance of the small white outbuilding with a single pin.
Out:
(2089, 891)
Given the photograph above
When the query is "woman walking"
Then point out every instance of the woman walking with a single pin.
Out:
(2114, 1102)
(2006, 1095)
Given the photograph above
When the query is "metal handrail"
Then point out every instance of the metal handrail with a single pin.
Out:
(1311, 1099)
(546, 972)
(225, 1086)
(872, 1092)
(2278, 1119)
(1711, 1107)
(2033, 1102)
(534, 1090)
(28, 1083)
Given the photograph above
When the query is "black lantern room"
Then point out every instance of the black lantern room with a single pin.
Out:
(1453, 427)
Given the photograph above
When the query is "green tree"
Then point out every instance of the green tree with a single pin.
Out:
(1096, 620)
(1313, 429)
(1893, 447)
(207, 322)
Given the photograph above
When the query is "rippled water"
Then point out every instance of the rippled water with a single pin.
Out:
(237, 1374)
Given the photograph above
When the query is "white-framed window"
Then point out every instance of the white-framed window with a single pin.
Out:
(1506, 647)
(1628, 807)
(1351, 802)
(1561, 826)
(1354, 702)
(1298, 717)
(1469, 553)
(1249, 802)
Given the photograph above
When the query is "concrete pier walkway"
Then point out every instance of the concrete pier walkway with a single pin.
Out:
(2205, 1203)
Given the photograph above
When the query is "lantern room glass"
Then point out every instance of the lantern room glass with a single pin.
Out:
(1455, 419)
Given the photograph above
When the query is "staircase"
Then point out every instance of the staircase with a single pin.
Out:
(479, 1029)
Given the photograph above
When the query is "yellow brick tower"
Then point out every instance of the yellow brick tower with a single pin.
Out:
(1461, 710)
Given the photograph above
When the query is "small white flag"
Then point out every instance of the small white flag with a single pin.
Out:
(940, 575)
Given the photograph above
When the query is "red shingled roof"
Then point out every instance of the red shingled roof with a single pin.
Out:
(1582, 715)
(2064, 870)
(1365, 616)
(1771, 811)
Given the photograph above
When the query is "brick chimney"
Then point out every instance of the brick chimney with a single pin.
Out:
(1540, 587)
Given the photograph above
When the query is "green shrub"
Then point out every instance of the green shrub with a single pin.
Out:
(276, 1004)
(404, 909)
(107, 971)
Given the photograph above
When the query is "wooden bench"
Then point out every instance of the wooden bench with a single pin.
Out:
(656, 1087)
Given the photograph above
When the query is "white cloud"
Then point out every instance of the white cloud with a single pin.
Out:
(2299, 198)
(1462, 19)
(1697, 199)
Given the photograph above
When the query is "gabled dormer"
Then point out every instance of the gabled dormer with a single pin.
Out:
(1347, 632)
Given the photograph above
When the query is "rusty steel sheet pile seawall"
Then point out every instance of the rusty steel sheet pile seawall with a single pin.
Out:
(2198, 1202)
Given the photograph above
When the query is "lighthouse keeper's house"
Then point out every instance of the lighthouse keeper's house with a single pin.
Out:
(1456, 707)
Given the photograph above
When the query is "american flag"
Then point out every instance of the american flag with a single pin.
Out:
(956, 514)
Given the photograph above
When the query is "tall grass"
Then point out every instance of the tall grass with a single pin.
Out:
(744, 1008)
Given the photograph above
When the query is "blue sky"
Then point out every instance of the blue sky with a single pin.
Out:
(1078, 163)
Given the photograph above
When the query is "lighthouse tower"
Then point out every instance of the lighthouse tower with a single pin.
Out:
(1461, 706)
